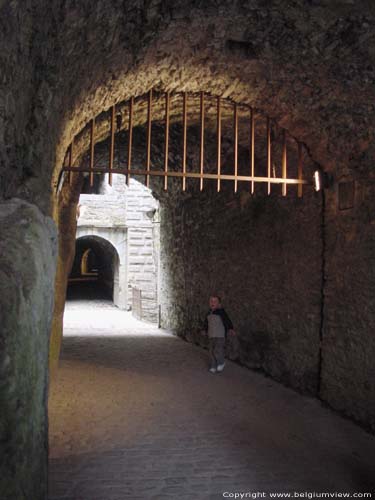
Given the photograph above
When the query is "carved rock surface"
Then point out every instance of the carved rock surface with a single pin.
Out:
(27, 270)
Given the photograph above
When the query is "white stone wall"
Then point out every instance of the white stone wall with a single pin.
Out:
(133, 212)
(142, 224)
(102, 210)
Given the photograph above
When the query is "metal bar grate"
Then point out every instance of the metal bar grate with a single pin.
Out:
(218, 140)
(112, 146)
(184, 139)
(130, 138)
(203, 173)
(300, 167)
(235, 140)
(149, 128)
(92, 151)
(201, 145)
(269, 155)
(70, 153)
(166, 140)
(284, 164)
(252, 148)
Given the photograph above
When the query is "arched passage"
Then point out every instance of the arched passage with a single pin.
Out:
(310, 65)
(88, 264)
(95, 271)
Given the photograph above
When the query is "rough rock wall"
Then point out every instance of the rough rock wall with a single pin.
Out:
(16, 93)
(27, 254)
(27, 269)
(346, 249)
(65, 217)
(309, 56)
(311, 66)
(263, 255)
(348, 370)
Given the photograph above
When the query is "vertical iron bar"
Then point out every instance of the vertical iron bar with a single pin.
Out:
(252, 148)
(201, 151)
(300, 166)
(71, 161)
(112, 146)
(166, 143)
(149, 125)
(92, 151)
(235, 118)
(284, 164)
(269, 157)
(130, 141)
(184, 113)
(218, 143)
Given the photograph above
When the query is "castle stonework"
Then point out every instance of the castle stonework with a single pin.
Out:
(126, 217)
(296, 274)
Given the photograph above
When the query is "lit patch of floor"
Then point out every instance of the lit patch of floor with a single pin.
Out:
(134, 414)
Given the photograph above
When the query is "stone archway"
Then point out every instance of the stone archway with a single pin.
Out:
(110, 248)
(310, 65)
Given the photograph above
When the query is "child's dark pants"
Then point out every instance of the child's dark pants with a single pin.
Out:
(216, 351)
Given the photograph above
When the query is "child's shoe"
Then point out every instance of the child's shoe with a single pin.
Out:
(212, 370)
(220, 368)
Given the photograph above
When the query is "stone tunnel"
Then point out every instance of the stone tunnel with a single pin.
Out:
(96, 263)
(295, 272)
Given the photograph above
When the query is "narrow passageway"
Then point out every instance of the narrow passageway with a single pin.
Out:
(134, 414)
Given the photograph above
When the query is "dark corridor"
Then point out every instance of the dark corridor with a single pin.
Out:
(93, 271)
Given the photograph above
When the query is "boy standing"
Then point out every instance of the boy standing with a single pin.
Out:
(217, 325)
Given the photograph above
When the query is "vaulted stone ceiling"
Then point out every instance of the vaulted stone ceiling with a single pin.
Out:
(307, 64)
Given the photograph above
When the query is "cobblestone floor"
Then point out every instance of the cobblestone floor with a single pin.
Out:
(134, 414)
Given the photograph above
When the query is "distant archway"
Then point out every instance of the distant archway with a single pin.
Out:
(88, 263)
(95, 271)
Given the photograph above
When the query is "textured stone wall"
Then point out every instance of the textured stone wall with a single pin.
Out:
(282, 60)
(27, 269)
(263, 255)
(281, 355)
(348, 370)
(16, 94)
(311, 66)
(65, 217)
(104, 210)
(143, 255)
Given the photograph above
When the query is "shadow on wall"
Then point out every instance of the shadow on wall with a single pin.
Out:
(265, 255)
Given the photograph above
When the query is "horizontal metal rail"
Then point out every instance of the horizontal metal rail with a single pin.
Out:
(192, 175)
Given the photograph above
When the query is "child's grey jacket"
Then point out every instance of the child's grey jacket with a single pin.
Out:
(217, 323)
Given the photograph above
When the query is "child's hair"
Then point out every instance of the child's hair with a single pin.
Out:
(215, 296)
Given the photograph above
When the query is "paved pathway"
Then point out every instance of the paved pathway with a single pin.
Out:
(134, 414)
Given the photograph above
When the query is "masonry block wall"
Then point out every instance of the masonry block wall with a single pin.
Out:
(348, 369)
(294, 273)
(143, 256)
(295, 278)
(263, 255)
(128, 218)
(310, 66)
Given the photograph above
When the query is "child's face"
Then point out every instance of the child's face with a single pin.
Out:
(214, 303)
